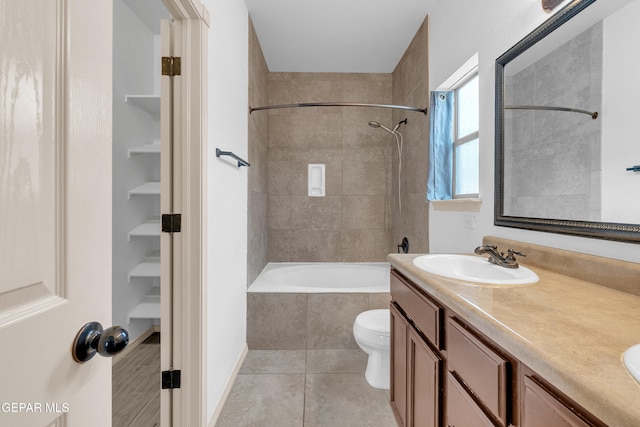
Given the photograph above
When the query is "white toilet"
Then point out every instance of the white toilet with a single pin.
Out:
(371, 331)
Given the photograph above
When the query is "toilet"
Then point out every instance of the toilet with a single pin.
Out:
(371, 331)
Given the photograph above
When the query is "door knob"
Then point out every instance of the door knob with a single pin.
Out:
(92, 339)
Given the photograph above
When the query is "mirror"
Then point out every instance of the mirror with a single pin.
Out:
(565, 113)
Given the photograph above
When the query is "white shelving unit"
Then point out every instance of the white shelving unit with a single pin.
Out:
(144, 149)
(150, 228)
(148, 103)
(146, 189)
(148, 307)
(136, 108)
(149, 268)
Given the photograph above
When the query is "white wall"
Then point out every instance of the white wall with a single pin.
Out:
(458, 29)
(620, 110)
(227, 194)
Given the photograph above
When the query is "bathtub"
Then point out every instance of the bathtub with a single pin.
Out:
(330, 277)
(302, 306)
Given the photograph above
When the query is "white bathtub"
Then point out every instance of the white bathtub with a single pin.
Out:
(330, 277)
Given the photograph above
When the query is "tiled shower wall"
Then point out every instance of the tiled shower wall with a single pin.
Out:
(553, 159)
(411, 87)
(351, 223)
(359, 218)
(257, 233)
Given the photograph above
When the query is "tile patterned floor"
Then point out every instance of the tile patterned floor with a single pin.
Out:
(275, 388)
(136, 386)
(310, 388)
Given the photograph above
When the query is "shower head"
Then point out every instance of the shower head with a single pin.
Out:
(378, 125)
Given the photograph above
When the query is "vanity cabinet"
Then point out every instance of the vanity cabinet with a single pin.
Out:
(416, 364)
(542, 406)
(467, 412)
(444, 372)
(479, 371)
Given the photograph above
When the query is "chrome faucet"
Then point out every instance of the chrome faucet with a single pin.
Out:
(498, 258)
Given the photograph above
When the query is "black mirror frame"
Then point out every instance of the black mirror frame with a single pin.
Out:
(601, 230)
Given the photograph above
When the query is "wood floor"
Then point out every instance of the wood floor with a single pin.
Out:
(136, 386)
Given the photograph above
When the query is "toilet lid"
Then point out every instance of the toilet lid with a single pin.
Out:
(375, 320)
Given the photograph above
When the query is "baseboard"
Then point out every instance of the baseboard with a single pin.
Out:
(227, 389)
(135, 343)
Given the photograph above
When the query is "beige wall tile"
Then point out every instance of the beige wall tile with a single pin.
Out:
(279, 245)
(363, 90)
(317, 88)
(364, 212)
(258, 214)
(316, 213)
(364, 178)
(365, 245)
(279, 177)
(414, 168)
(357, 132)
(279, 212)
(357, 160)
(258, 254)
(411, 87)
(257, 228)
(330, 319)
(315, 246)
(381, 300)
(280, 131)
(270, 318)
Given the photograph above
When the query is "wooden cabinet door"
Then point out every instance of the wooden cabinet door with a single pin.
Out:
(461, 409)
(541, 408)
(424, 379)
(399, 328)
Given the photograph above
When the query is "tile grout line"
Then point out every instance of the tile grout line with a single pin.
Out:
(304, 386)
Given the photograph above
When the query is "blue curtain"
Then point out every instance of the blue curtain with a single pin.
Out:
(440, 178)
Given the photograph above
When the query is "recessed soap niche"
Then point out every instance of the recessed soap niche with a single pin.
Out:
(316, 180)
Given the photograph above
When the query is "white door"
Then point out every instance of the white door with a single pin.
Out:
(55, 209)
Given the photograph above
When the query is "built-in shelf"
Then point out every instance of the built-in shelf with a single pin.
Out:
(150, 228)
(149, 267)
(146, 189)
(145, 149)
(148, 307)
(148, 103)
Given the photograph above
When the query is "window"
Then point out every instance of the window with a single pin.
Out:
(453, 170)
(465, 139)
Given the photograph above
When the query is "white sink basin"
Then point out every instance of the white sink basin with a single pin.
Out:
(474, 269)
(631, 359)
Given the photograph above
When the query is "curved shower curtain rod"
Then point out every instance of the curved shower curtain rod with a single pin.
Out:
(593, 114)
(337, 104)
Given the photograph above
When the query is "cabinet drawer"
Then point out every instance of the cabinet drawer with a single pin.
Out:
(541, 408)
(424, 313)
(462, 410)
(482, 370)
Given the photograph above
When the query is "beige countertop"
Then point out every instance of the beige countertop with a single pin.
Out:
(571, 332)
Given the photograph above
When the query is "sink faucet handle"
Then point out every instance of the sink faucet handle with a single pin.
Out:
(511, 253)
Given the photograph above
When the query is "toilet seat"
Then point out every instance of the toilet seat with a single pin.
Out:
(376, 321)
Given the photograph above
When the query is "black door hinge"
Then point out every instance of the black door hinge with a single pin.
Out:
(171, 223)
(170, 379)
